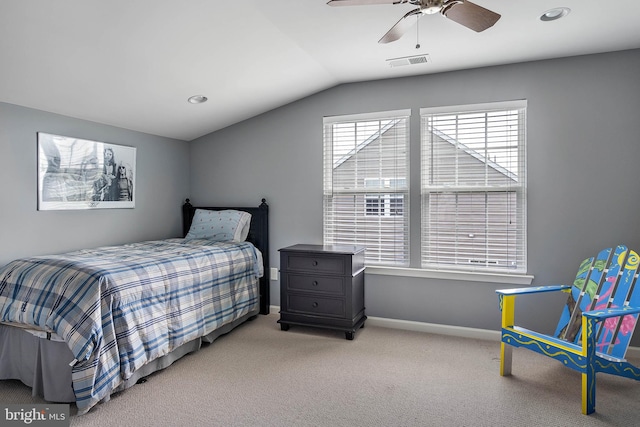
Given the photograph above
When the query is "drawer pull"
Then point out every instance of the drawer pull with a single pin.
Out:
(315, 263)
(314, 305)
(315, 283)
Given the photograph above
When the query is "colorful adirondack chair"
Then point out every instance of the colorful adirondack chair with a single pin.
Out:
(596, 324)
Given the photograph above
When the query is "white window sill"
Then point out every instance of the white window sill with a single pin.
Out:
(501, 278)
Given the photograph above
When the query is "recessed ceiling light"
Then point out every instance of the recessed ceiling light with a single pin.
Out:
(555, 13)
(198, 99)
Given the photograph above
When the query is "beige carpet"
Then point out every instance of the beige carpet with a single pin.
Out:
(260, 376)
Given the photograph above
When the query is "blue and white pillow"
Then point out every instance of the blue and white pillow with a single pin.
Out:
(221, 226)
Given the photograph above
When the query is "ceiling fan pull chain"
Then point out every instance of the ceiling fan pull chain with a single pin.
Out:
(417, 31)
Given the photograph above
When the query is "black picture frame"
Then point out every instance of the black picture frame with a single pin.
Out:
(76, 173)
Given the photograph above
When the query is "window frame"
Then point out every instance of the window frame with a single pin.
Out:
(381, 252)
(519, 189)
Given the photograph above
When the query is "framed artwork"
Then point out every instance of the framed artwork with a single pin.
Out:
(77, 173)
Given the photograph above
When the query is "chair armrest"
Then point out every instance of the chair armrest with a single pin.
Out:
(507, 298)
(611, 312)
(533, 290)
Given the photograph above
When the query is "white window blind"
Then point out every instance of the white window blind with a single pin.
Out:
(473, 187)
(366, 186)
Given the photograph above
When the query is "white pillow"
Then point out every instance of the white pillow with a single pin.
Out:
(222, 226)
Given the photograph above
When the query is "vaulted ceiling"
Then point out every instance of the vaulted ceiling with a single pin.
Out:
(134, 63)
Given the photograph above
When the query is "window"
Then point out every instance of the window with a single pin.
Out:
(473, 190)
(366, 192)
(472, 187)
(384, 204)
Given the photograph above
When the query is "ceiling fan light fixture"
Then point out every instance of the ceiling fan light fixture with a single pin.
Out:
(197, 99)
(555, 14)
(431, 10)
(431, 7)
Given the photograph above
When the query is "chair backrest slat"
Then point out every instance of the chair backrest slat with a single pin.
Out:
(579, 284)
(589, 280)
(616, 332)
(612, 273)
(614, 294)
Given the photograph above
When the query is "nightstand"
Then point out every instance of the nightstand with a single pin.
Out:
(322, 286)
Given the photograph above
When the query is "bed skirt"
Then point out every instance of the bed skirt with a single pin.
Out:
(42, 361)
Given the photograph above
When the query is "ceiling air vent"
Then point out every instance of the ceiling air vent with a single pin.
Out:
(408, 60)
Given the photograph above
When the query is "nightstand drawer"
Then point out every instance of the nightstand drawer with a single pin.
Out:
(314, 263)
(313, 305)
(322, 284)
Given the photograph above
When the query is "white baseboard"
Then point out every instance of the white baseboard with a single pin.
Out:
(456, 331)
(434, 328)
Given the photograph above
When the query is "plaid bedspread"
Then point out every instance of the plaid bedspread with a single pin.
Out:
(119, 307)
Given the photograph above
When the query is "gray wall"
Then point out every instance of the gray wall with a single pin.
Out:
(161, 186)
(583, 156)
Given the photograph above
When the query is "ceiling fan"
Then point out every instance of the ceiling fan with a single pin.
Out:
(463, 12)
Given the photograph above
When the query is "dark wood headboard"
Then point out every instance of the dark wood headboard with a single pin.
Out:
(258, 235)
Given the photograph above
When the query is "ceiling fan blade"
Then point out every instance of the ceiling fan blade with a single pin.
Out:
(362, 2)
(401, 27)
(471, 15)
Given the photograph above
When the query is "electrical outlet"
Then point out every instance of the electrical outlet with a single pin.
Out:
(274, 273)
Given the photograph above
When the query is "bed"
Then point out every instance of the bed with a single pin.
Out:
(80, 326)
